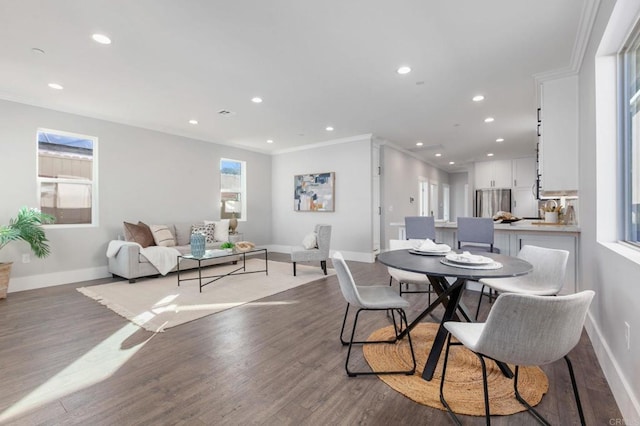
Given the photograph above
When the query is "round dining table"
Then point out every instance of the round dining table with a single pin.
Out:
(449, 294)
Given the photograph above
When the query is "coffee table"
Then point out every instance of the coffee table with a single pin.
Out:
(215, 254)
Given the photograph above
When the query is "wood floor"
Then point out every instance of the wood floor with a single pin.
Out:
(65, 359)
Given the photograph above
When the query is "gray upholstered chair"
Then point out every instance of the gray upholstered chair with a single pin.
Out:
(370, 298)
(523, 330)
(546, 279)
(317, 254)
(405, 277)
(478, 231)
(476, 234)
(420, 228)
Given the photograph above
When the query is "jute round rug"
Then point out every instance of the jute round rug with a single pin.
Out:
(463, 385)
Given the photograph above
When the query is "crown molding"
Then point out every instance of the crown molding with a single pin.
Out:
(585, 26)
(325, 143)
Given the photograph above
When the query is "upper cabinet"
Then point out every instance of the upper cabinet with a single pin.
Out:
(558, 134)
(524, 172)
(493, 174)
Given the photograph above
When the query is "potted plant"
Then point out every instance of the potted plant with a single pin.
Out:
(27, 226)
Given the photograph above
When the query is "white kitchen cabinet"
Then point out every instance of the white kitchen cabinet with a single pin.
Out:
(524, 172)
(524, 202)
(493, 174)
(558, 149)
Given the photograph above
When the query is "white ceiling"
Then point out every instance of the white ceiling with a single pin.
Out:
(330, 62)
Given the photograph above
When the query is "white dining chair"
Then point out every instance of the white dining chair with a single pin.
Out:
(420, 282)
(546, 279)
(524, 330)
(370, 298)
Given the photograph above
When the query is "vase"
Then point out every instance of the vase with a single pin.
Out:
(233, 224)
(197, 244)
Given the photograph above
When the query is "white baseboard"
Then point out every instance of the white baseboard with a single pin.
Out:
(33, 282)
(348, 255)
(620, 388)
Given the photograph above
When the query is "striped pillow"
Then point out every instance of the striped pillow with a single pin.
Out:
(162, 236)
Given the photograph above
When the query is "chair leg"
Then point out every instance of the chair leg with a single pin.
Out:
(323, 265)
(479, 302)
(575, 390)
(485, 386)
(344, 321)
(352, 342)
(294, 269)
(522, 401)
(444, 372)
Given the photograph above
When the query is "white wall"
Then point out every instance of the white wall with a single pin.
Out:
(401, 175)
(352, 227)
(143, 175)
(606, 266)
(458, 181)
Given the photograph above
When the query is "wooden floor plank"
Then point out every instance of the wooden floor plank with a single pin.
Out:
(276, 361)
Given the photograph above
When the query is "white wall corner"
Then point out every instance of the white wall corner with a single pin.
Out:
(620, 388)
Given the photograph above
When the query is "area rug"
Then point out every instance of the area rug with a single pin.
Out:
(463, 385)
(158, 303)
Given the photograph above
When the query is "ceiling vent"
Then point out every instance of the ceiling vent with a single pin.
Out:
(226, 113)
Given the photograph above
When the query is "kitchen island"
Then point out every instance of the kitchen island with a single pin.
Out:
(509, 238)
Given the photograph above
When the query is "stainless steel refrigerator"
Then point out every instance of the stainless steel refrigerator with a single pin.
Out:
(491, 201)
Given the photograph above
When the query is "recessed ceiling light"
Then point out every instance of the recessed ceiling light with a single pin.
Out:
(489, 120)
(269, 140)
(404, 70)
(193, 121)
(490, 154)
(329, 129)
(478, 98)
(256, 100)
(56, 86)
(101, 38)
(438, 155)
(419, 144)
(500, 140)
(452, 162)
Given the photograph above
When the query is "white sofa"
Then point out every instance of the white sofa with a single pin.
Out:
(129, 262)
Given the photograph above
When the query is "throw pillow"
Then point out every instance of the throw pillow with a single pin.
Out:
(149, 233)
(162, 236)
(208, 230)
(140, 234)
(221, 232)
(310, 241)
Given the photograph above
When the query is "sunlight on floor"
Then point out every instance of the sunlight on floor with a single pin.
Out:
(96, 365)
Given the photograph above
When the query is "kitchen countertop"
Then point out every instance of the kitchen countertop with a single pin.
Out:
(522, 225)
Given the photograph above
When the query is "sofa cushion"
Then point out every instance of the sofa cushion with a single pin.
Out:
(221, 231)
(208, 230)
(139, 233)
(162, 235)
(183, 233)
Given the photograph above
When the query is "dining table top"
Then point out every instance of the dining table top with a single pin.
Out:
(431, 265)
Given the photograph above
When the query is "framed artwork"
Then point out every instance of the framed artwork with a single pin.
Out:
(314, 192)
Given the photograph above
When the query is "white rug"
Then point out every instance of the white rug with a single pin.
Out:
(158, 303)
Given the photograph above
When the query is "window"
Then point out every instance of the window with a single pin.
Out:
(67, 170)
(233, 189)
(631, 136)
